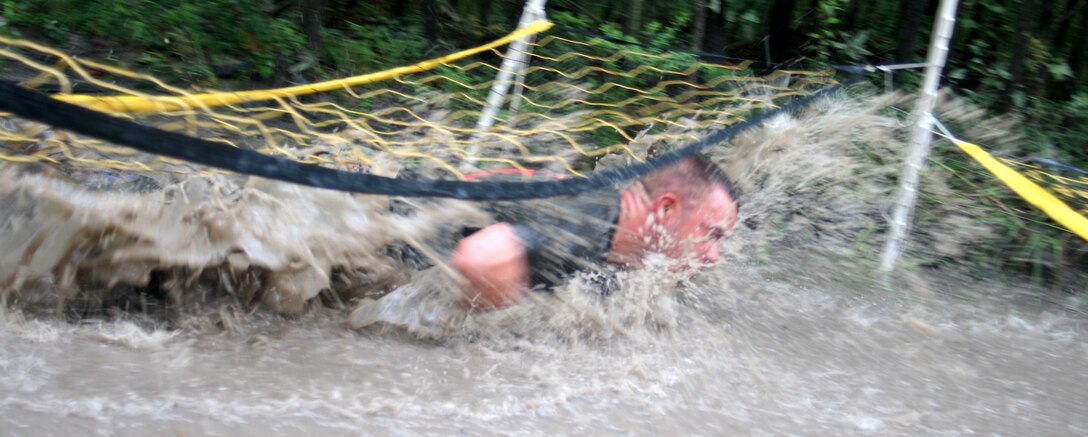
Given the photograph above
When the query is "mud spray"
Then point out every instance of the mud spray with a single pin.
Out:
(223, 305)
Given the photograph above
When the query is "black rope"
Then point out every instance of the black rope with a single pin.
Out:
(41, 108)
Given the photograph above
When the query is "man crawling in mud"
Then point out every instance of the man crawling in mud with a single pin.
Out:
(682, 211)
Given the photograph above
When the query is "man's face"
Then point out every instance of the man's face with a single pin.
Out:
(691, 232)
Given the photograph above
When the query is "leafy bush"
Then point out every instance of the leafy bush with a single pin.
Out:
(176, 36)
(830, 43)
(374, 47)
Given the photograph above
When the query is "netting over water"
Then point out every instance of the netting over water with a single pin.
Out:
(580, 99)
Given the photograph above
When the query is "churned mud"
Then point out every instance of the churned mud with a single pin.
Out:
(218, 305)
(747, 349)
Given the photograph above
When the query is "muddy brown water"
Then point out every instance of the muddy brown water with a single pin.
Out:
(746, 352)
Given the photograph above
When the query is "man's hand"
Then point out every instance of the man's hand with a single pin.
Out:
(496, 265)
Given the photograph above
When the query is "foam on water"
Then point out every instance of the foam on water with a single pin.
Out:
(768, 358)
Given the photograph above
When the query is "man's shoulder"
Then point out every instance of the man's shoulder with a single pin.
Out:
(592, 212)
(602, 203)
(561, 234)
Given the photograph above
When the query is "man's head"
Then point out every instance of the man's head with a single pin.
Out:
(692, 206)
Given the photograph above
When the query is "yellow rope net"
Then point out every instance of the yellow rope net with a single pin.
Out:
(579, 99)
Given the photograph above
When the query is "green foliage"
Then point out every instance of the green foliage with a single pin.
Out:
(746, 20)
(830, 43)
(362, 48)
(635, 52)
(176, 36)
(668, 34)
(1059, 130)
(565, 18)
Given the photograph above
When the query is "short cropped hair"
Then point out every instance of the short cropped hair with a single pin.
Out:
(692, 176)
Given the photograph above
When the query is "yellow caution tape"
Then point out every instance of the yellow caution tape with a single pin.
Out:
(1031, 192)
(142, 103)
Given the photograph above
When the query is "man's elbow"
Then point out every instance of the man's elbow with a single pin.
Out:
(466, 263)
(495, 265)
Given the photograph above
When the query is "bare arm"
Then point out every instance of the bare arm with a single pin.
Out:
(495, 262)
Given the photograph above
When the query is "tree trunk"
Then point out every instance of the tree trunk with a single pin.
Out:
(311, 25)
(617, 12)
(399, 9)
(910, 25)
(780, 28)
(1060, 30)
(633, 25)
(1054, 22)
(430, 20)
(714, 38)
(698, 32)
(1020, 45)
(1078, 49)
(853, 15)
(485, 12)
(1045, 25)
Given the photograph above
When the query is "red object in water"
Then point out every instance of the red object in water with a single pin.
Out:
(505, 171)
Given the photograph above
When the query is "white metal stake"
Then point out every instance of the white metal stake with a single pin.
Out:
(519, 84)
(920, 137)
(513, 63)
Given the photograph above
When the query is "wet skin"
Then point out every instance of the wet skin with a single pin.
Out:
(495, 265)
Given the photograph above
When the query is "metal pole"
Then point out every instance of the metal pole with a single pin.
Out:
(920, 137)
(514, 62)
(519, 84)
